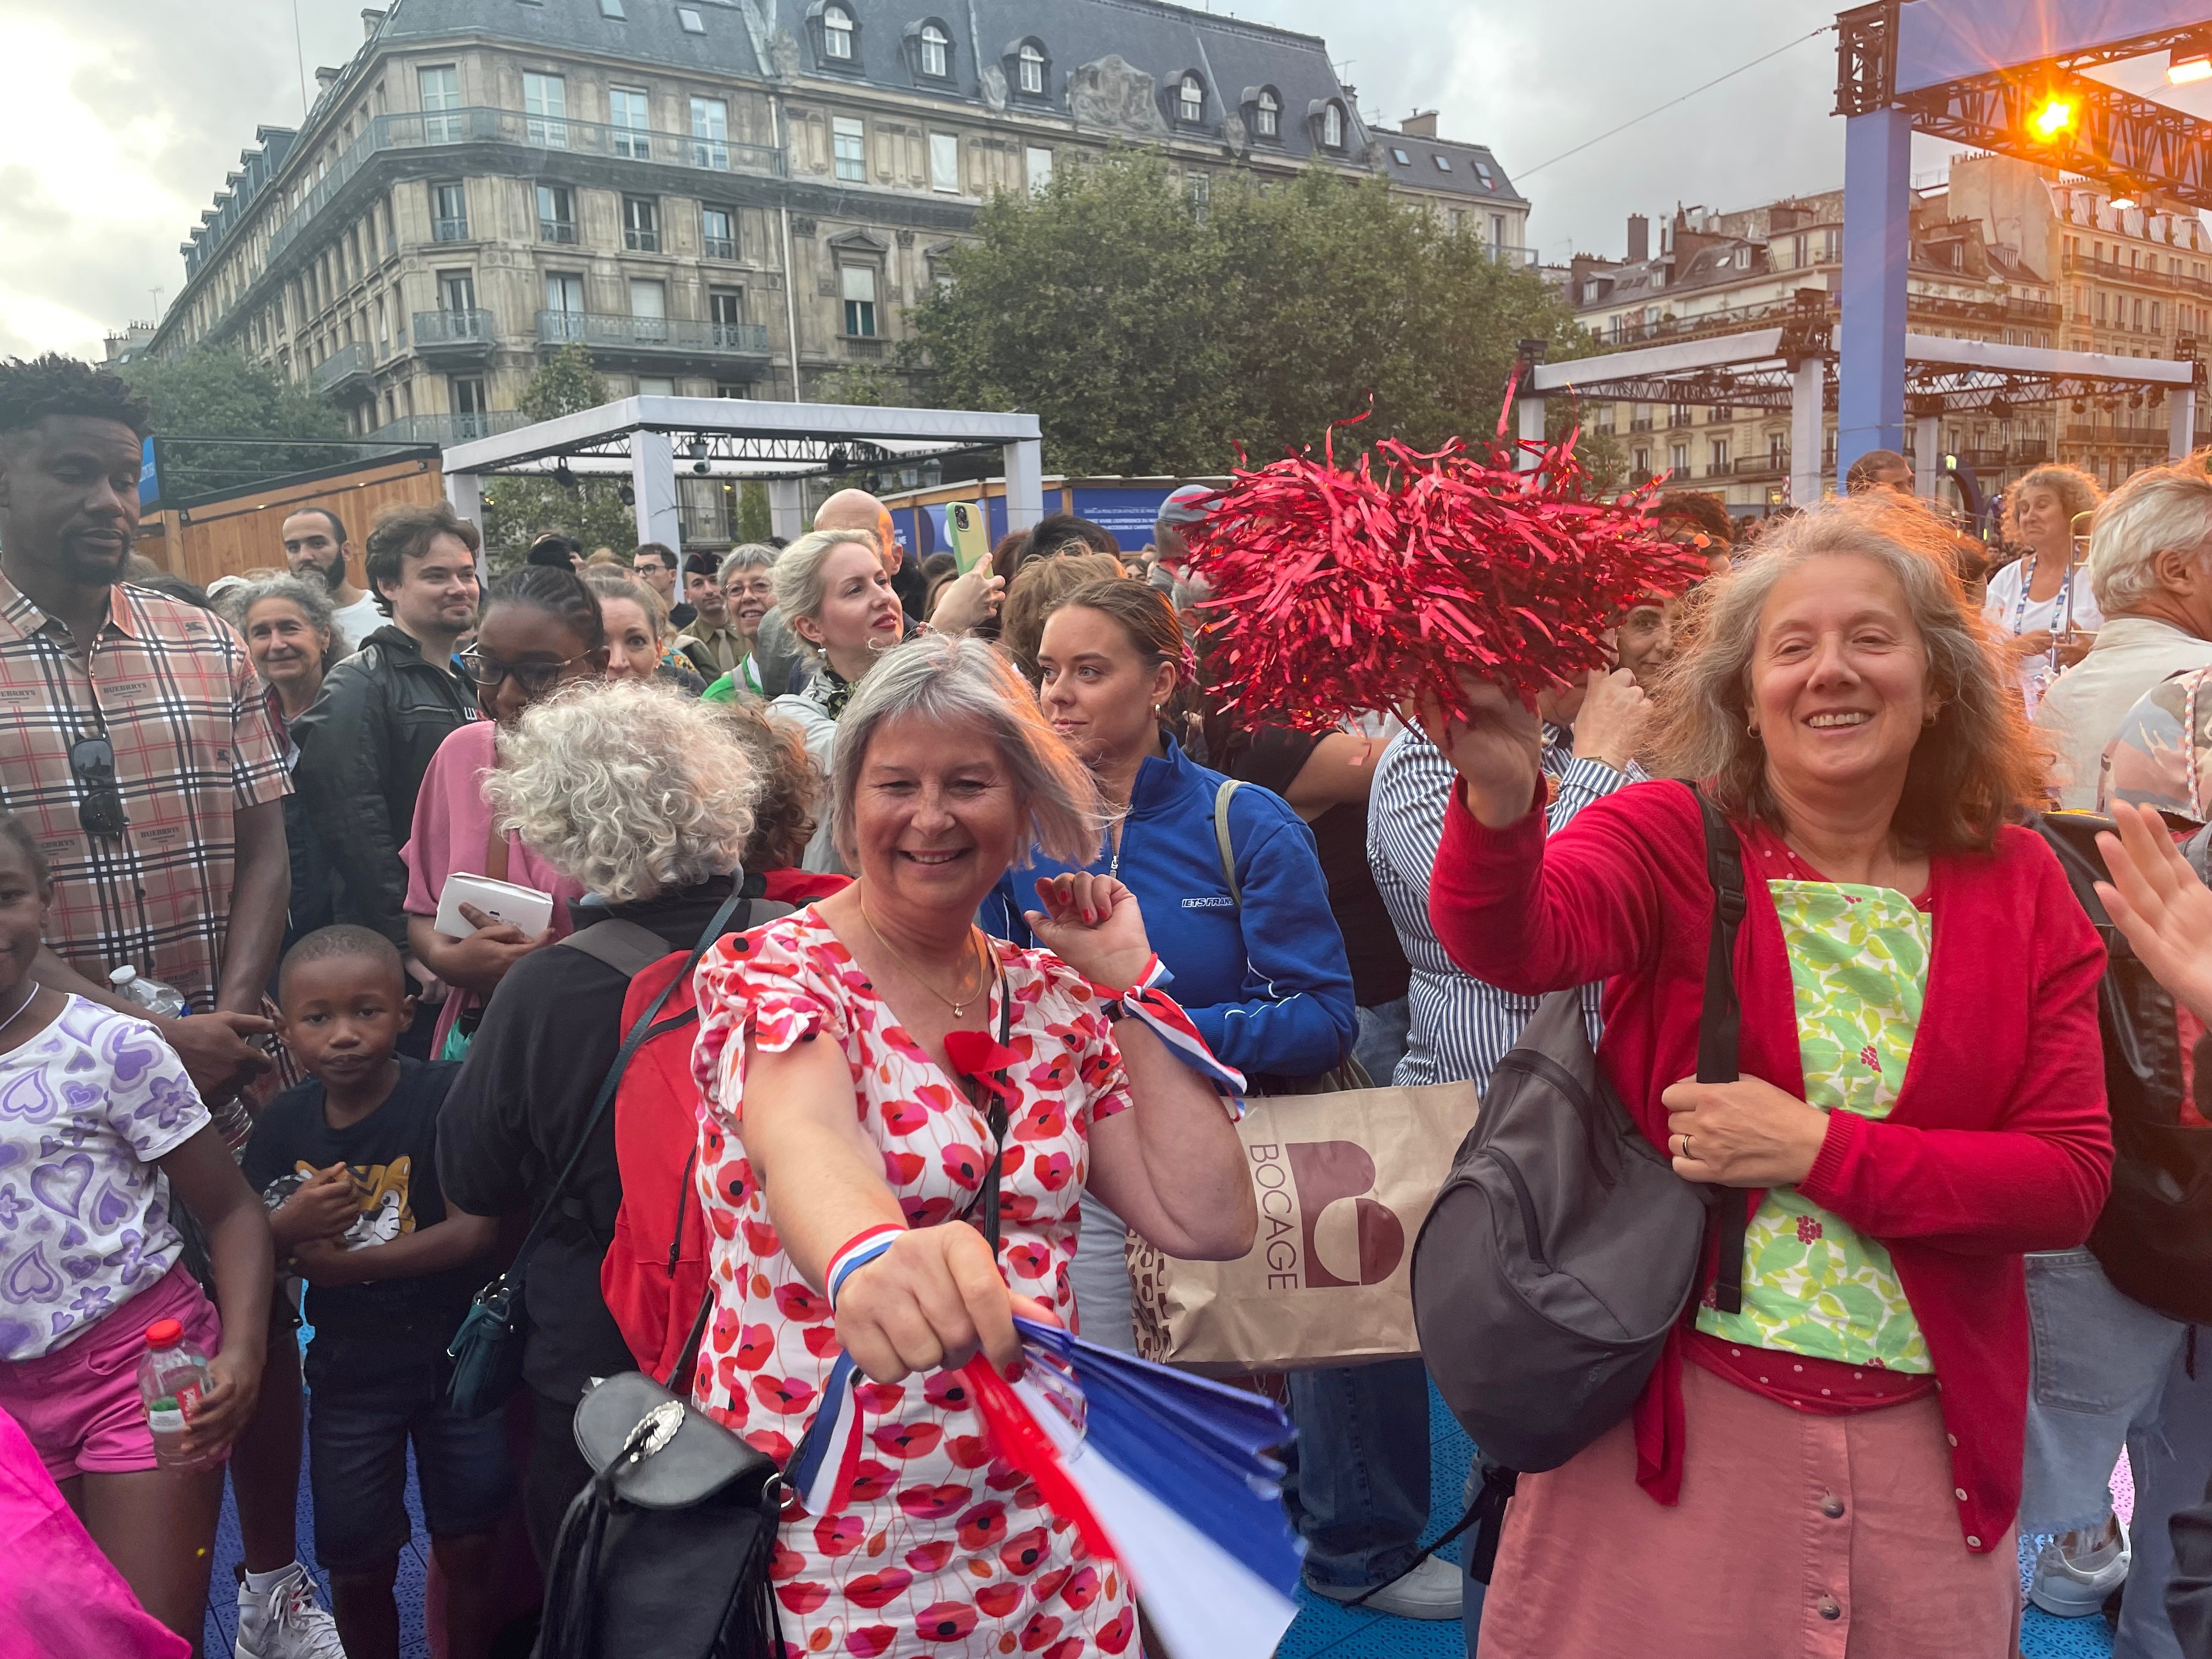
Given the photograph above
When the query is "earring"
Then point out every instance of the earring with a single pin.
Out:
(1750, 728)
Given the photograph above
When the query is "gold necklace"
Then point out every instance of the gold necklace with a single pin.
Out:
(959, 1008)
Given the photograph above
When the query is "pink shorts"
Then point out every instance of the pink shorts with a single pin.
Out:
(80, 1406)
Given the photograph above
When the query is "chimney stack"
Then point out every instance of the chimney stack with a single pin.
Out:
(371, 19)
(1421, 124)
(1639, 238)
(324, 77)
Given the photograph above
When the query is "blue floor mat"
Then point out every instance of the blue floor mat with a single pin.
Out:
(1325, 1627)
(229, 1551)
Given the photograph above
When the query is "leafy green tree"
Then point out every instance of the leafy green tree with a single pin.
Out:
(211, 393)
(863, 384)
(754, 520)
(565, 384)
(1154, 330)
(519, 509)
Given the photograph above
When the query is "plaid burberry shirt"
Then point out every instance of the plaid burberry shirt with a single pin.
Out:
(172, 687)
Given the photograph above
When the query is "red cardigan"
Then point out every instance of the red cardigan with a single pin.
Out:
(1999, 1141)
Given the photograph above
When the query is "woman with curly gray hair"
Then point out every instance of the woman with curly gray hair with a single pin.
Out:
(1835, 1432)
(646, 797)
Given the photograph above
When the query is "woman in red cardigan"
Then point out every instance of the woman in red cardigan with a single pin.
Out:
(1834, 1469)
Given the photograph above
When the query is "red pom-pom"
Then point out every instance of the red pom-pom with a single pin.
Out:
(1333, 593)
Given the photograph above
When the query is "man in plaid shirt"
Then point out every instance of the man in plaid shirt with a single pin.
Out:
(134, 740)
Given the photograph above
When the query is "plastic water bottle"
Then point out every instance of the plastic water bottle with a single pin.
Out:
(164, 1001)
(232, 1121)
(172, 1377)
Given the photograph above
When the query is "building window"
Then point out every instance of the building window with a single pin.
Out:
(718, 234)
(1401, 157)
(556, 214)
(2139, 316)
(466, 394)
(735, 389)
(2153, 316)
(1717, 462)
(1028, 69)
(1678, 459)
(612, 9)
(710, 134)
(1489, 178)
(1443, 163)
(936, 56)
(441, 90)
(837, 34)
(626, 114)
(1037, 162)
(1777, 451)
(457, 290)
(1190, 100)
(945, 162)
(449, 213)
(1332, 126)
(725, 310)
(1497, 230)
(849, 139)
(690, 21)
(564, 297)
(1267, 114)
(648, 307)
(1639, 461)
(858, 285)
(545, 102)
(641, 224)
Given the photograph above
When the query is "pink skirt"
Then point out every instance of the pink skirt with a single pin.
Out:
(1797, 1537)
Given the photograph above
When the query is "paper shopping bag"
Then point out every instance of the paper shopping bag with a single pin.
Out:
(1343, 1181)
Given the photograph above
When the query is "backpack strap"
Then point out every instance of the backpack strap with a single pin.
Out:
(1221, 796)
(1720, 1025)
(640, 1030)
(625, 946)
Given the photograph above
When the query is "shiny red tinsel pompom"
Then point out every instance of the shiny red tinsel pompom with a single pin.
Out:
(1333, 593)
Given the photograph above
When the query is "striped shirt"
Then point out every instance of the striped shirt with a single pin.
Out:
(171, 688)
(1461, 1027)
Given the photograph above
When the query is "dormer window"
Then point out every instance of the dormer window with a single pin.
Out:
(1325, 120)
(1267, 113)
(1028, 69)
(936, 53)
(837, 34)
(1190, 100)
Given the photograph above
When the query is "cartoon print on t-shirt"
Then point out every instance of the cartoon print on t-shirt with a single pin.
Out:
(381, 1190)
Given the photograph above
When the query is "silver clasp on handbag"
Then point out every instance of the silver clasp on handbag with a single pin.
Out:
(653, 1431)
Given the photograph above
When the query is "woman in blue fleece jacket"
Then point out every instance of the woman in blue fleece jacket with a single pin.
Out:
(1266, 981)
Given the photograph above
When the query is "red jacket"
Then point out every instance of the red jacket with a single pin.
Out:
(1999, 1141)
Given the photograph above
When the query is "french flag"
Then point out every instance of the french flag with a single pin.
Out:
(828, 1455)
(1146, 1000)
(1166, 1473)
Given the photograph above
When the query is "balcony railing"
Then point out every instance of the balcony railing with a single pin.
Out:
(449, 429)
(413, 130)
(1753, 466)
(454, 328)
(652, 333)
(2109, 271)
(556, 230)
(454, 229)
(346, 363)
(2123, 437)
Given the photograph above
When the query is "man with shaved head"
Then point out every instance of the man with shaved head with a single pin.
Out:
(856, 509)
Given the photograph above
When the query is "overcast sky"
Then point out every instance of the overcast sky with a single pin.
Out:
(122, 118)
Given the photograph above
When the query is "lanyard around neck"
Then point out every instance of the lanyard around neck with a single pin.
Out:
(2060, 607)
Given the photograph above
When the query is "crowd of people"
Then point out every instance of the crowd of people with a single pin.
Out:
(950, 821)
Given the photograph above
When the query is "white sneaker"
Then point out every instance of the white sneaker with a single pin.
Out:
(2075, 1586)
(1431, 1590)
(286, 1621)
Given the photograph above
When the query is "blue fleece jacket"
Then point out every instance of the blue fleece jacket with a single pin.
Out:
(1268, 987)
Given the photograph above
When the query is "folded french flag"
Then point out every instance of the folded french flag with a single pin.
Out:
(823, 1468)
(1147, 1001)
(1167, 1474)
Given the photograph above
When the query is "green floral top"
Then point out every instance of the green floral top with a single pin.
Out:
(1812, 1283)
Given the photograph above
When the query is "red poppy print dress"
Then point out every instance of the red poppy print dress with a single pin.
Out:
(943, 1550)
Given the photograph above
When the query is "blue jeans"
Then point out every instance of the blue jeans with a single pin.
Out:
(2170, 1453)
(1358, 1488)
(1359, 1485)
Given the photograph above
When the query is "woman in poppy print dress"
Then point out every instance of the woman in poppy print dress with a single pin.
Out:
(945, 776)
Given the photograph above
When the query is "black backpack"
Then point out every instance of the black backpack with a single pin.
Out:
(1563, 1246)
(2153, 1237)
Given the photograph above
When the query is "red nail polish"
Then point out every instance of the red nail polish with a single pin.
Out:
(1015, 1371)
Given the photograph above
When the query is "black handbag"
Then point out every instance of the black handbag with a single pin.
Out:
(665, 1554)
(487, 1350)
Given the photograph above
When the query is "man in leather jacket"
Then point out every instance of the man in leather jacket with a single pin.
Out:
(367, 740)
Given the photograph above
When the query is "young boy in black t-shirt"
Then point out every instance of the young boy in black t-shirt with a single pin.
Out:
(348, 1163)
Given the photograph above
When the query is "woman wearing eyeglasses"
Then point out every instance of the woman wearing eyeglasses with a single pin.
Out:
(539, 628)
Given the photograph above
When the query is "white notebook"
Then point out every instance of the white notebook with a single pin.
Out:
(503, 900)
